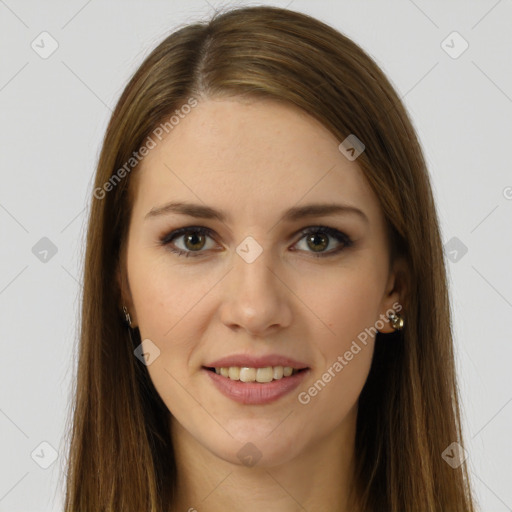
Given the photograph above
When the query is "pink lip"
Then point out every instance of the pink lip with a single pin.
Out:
(256, 393)
(243, 360)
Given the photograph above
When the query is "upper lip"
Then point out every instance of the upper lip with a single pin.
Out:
(244, 360)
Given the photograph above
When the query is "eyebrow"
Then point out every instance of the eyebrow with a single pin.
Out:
(297, 212)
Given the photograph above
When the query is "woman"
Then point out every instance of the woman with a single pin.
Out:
(265, 321)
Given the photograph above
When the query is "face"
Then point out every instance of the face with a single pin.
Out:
(298, 290)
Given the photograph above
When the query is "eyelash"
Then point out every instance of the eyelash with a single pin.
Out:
(338, 235)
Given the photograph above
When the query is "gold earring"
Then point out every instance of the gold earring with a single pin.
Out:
(127, 316)
(397, 321)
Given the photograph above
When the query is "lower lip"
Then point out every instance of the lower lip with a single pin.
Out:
(256, 393)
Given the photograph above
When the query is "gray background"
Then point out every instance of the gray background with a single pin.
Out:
(54, 113)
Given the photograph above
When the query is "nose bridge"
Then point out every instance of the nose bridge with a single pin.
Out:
(255, 298)
(251, 271)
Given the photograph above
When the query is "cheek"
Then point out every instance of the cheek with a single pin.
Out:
(173, 310)
(345, 343)
(345, 354)
(164, 293)
(167, 310)
(344, 303)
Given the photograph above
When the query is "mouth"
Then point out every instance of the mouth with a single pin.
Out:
(255, 386)
(262, 375)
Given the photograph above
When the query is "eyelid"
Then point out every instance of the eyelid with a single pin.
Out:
(175, 233)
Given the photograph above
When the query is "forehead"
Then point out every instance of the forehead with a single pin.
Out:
(256, 155)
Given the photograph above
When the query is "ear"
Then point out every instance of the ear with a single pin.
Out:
(125, 293)
(394, 294)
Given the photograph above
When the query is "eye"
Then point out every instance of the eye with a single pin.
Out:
(193, 240)
(317, 238)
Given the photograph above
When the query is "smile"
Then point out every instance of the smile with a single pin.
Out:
(262, 375)
(252, 391)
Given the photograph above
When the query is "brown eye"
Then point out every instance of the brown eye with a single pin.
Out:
(317, 241)
(189, 241)
(194, 241)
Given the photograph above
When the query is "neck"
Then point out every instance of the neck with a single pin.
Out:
(320, 478)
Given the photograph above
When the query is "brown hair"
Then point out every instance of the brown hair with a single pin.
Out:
(120, 454)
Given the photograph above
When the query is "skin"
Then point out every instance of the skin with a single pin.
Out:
(255, 159)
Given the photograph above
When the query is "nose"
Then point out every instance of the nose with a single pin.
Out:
(256, 299)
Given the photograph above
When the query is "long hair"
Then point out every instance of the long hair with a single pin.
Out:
(120, 452)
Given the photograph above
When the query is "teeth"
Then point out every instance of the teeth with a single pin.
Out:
(234, 373)
(266, 374)
(246, 374)
(278, 372)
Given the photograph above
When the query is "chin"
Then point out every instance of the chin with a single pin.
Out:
(257, 451)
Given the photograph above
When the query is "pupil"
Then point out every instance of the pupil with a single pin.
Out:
(192, 237)
(313, 237)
